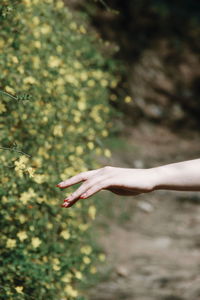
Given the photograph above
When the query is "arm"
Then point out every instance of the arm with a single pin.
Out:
(181, 176)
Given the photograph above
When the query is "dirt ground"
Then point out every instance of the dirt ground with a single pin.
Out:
(153, 252)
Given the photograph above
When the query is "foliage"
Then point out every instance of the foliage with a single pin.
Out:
(49, 53)
(143, 22)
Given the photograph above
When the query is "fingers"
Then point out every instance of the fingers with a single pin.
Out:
(76, 179)
(85, 186)
(86, 190)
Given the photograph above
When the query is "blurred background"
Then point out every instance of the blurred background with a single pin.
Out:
(151, 241)
(112, 83)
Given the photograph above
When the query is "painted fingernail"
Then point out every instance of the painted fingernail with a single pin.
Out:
(66, 200)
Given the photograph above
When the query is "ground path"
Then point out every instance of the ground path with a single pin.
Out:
(153, 245)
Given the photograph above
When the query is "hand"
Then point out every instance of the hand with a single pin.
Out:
(121, 181)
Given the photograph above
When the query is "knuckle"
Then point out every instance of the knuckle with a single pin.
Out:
(107, 168)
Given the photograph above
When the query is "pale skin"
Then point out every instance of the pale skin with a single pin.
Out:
(180, 176)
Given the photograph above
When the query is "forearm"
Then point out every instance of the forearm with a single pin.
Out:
(181, 176)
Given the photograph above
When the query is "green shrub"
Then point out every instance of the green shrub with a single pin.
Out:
(58, 114)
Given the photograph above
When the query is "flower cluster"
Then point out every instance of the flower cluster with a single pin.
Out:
(49, 53)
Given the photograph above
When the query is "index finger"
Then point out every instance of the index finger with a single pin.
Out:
(76, 179)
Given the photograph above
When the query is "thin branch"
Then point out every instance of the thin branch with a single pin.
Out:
(17, 98)
(107, 6)
(15, 150)
(9, 95)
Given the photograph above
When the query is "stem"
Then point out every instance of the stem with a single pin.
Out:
(9, 95)
(12, 149)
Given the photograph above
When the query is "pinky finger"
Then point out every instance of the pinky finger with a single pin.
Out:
(69, 204)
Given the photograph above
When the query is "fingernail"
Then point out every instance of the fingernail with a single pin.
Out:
(66, 200)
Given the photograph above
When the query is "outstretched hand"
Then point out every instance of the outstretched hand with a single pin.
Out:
(121, 181)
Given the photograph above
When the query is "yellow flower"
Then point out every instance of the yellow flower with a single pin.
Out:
(10, 90)
(90, 145)
(45, 29)
(86, 260)
(67, 278)
(42, 151)
(73, 26)
(11, 243)
(92, 212)
(20, 69)
(54, 61)
(91, 83)
(2, 108)
(82, 29)
(37, 161)
(83, 76)
(15, 59)
(22, 235)
(4, 199)
(26, 196)
(35, 241)
(57, 130)
(59, 48)
(81, 105)
(79, 150)
(56, 267)
(104, 133)
(45, 259)
(49, 225)
(22, 218)
(59, 4)
(78, 275)
(36, 62)
(65, 234)
(23, 159)
(71, 291)
(39, 178)
(127, 99)
(86, 249)
(93, 270)
(102, 257)
(56, 264)
(107, 153)
(83, 227)
(113, 83)
(30, 171)
(27, 2)
(30, 80)
(35, 20)
(71, 79)
(37, 44)
(104, 82)
(19, 289)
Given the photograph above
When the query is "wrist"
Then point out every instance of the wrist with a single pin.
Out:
(155, 178)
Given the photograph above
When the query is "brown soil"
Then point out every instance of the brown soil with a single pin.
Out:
(153, 252)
